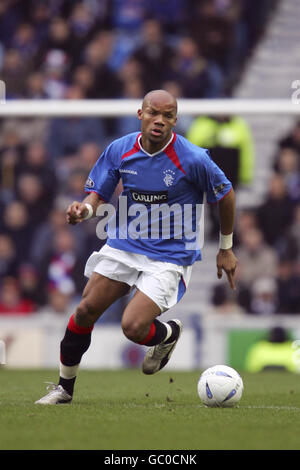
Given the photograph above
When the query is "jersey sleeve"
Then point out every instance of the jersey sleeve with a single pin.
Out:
(104, 176)
(210, 178)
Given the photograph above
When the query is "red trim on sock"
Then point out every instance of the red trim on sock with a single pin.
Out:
(80, 330)
(149, 335)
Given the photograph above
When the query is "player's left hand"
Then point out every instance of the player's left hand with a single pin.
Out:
(226, 261)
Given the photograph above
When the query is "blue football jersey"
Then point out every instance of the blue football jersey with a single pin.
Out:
(159, 209)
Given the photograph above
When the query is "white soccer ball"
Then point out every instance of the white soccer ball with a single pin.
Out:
(220, 386)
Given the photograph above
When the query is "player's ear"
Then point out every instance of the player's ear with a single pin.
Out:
(140, 114)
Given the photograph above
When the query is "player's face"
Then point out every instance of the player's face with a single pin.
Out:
(158, 120)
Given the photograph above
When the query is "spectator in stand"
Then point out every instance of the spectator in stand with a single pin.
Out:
(38, 29)
(154, 55)
(11, 137)
(96, 55)
(83, 160)
(36, 163)
(59, 303)
(245, 221)
(226, 301)
(263, 297)
(11, 300)
(275, 214)
(292, 139)
(216, 28)
(85, 78)
(197, 77)
(25, 42)
(64, 263)
(8, 259)
(230, 142)
(10, 18)
(256, 291)
(55, 69)
(14, 72)
(128, 16)
(59, 37)
(17, 133)
(16, 224)
(275, 352)
(66, 135)
(40, 16)
(288, 282)
(75, 183)
(172, 15)
(35, 87)
(287, 164)
(294, 230)
(30, 285)
(9, 163)
(131, 70)
(88, 154)
(256, 258)
(34, 196)
(83, 23)
(44, 236)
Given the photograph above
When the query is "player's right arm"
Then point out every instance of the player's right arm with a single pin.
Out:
(79, 211)
(100, 185)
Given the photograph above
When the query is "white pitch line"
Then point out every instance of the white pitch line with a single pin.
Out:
(253, 407)
(270, 407)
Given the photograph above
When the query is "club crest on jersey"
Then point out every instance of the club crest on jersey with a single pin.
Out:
(169, 177)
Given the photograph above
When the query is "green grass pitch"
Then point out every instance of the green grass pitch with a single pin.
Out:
(128, 410)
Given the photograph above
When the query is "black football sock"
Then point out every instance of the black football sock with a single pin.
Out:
(72, 347)
(67, 384)
(161, 332)
(175, 331)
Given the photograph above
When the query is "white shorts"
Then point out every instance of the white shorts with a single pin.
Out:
(165, 283)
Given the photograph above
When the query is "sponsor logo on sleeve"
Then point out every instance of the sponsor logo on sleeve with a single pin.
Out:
(218, 189)
(89, 183)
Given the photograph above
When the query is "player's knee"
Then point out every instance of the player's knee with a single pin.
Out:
(85, 315)
(134, 331)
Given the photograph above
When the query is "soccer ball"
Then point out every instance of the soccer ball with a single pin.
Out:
(220, 386)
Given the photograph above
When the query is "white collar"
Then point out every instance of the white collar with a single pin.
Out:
(159, 151)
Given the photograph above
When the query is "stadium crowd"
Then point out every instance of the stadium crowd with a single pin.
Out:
(122, 49)
(267, 240)
(119, 48)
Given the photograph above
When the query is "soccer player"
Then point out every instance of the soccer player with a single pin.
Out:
(157, 168)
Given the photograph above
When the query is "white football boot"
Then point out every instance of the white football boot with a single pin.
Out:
(158, 356)
(56, 396)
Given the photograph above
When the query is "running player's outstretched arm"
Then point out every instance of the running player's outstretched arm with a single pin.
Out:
(226, 259)
(79, 211)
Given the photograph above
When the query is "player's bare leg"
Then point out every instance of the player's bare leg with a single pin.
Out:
(99, 293)
(140, 325)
